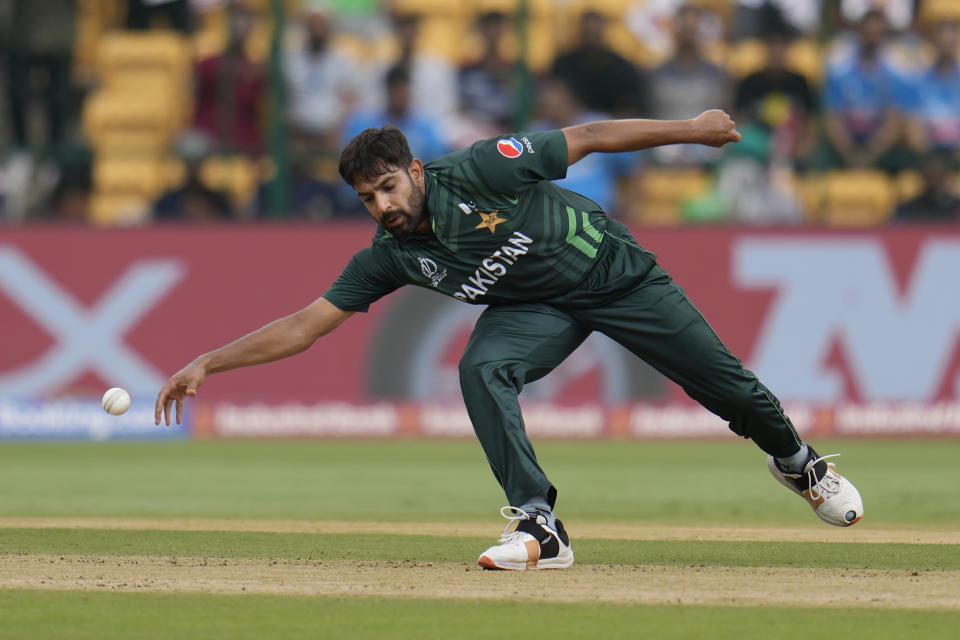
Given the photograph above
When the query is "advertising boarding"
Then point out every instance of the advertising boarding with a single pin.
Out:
(857, 332)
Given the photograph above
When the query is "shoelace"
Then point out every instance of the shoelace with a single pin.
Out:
(827, 485)
(508, 535)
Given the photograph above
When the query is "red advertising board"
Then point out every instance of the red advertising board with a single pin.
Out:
(831, 321)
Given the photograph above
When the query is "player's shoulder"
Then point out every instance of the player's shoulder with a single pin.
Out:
(377, 257)
(448, 160)
(382, 240)
(508, 145)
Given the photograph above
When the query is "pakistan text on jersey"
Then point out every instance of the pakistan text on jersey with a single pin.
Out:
(494, 267)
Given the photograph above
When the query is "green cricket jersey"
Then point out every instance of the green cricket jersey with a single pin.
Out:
(502, 232)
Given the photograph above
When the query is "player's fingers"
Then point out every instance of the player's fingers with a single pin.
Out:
(158, 409)
(179, 410)
(166, 410)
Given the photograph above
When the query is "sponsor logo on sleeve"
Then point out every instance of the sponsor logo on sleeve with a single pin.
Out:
(510, 148)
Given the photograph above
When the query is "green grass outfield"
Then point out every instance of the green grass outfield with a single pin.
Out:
(93, 616)
(905, 482)
(907, 485)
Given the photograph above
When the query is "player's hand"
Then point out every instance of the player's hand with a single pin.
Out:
(182, 384)
(716, 128)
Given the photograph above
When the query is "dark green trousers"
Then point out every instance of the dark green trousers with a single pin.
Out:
(634, 302)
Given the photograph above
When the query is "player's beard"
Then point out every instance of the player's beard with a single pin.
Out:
(410, 216)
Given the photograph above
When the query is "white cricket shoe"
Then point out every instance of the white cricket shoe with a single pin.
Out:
(832, 496)
(528, 542)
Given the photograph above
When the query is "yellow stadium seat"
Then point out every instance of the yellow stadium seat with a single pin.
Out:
(292, 7)
(210, 35)
(238, 176)
(858, 198)
(107, 210)
(805, 56)
(130, 121)
(908, 185)
(537, 8)
(426, 8)
(748, 56)
(443, 36)
(745, 57)
(122, 55)
(810, 190)
(723, 8)
(478, 7)
(937, 10)
(142, 174)
(613, 9)
(662, 191)
(541, 49)
(94, 18)
(121, 120)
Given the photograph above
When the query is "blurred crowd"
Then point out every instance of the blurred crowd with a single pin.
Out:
(122, 112)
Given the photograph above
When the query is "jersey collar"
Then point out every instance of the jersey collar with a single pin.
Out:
(432, 199)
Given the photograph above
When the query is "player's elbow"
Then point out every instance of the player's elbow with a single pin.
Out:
(578, 139)
(318, 320)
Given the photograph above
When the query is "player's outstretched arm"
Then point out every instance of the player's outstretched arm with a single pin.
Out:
(281, 338)
(713, 128)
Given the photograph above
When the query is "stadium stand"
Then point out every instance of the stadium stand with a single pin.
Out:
(662, 193)
(139, 99)
(857, 198)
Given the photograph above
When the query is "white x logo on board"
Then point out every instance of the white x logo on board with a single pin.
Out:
(87, 338)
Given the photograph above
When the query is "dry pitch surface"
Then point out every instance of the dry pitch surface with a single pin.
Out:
(649, 584)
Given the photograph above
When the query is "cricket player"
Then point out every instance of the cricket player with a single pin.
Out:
(487, 226)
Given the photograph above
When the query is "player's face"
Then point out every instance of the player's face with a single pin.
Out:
(396, 199)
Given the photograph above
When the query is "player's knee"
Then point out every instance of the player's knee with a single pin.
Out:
(744, 399)
(471, 365)
(476, 368)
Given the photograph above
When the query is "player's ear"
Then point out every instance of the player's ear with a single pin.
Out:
(415, 170)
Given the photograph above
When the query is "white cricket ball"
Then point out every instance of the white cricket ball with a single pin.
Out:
(116, 401)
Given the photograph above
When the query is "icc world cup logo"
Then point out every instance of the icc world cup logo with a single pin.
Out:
(432, 271)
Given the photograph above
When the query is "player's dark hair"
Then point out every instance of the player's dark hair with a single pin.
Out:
(374, 152)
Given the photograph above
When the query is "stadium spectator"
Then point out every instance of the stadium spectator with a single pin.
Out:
(230, 91)
(365, 18)
(904, 47)
(899, 14)
(322, 85)
(685, 85)
(752, 187)
(751, 18)
(39, 47)
(776, 102)
(933, 111)
(192, 201)
(433, 80)
(938, 202)
(602, 80)
(69, 202)
(864, 97)
(424, 136)
(652, 24)
(485, 84)
(597, 176)
(141, 14)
